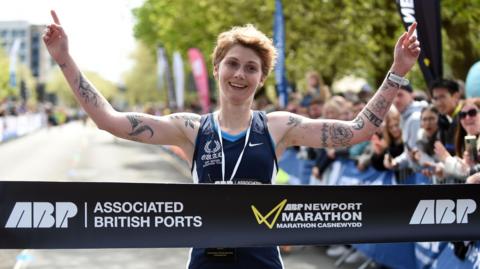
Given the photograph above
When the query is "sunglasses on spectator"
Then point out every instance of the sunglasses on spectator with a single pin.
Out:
(472, 113)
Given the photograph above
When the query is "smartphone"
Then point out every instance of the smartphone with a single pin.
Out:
(471, 146)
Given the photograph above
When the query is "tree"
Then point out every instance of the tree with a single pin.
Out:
(23, 73)
(5, 88)
(141, 80)
(335, 38)
(460, 20)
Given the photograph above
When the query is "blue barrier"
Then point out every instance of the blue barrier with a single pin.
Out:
(427, 253)
(393, 255)
(289, 162)
(448, 259)
(417, 179)
(350, 175)
(15, 126)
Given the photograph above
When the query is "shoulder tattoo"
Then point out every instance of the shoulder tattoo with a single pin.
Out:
(188, 120)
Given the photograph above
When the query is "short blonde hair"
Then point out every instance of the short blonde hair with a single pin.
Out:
(249, 37)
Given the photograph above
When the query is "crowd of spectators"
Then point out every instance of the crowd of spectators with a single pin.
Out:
(428, 137)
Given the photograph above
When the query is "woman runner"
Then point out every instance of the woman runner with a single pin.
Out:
(235, 144)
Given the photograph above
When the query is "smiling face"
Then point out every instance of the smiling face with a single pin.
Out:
(470, 119)
(239, 74)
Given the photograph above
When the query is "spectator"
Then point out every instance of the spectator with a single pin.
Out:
(410, 111)
(446, 98)
(460, 166)
(424, 155)
(315, 88)
(389, 144)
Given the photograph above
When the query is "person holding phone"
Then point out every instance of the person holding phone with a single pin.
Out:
(466, 143)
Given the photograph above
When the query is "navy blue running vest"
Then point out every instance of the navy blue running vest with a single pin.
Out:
(258, 166)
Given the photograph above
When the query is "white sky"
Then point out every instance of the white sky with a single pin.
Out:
(100, 32)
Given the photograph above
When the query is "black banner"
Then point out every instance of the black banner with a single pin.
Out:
(427, 14)
(129, 215)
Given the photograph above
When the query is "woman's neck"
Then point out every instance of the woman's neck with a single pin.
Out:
(234, 119)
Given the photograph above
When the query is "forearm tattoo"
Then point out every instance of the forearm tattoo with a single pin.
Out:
(188, 120)
(86, 91)
(63, 66)
(341, 134)
(388, 85)
(325, 134)
(379, 105)
(294, 121)
(372, 117)
(358, 123)
(138, 127)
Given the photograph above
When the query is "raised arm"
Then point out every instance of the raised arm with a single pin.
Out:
(176, 129)
(289, 129)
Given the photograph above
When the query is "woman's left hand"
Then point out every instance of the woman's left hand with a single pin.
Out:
(406, 52)
(467, 159)
(441, 151)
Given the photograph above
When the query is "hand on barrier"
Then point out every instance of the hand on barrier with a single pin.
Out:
(431, 169)
(474, 179)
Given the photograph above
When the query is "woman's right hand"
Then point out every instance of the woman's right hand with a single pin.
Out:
(56, 40)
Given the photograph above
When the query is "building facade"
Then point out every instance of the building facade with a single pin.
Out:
(32, 51)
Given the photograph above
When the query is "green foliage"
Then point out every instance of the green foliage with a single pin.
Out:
(460, 20)
(141, 80)
(4, 75)
(23, 74)
(334, 37)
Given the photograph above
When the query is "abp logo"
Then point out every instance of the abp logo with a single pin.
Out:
(41, 215)
(264, 219)
(443, 211)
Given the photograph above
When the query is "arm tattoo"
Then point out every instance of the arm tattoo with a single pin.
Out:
(380, 105)
(189, 120)
(358, 123)
(294, 121)
(63, 66)
(86, 91)
(325, 134)
(137, 127)
(372, 117)
(387, 85)
(341, 134)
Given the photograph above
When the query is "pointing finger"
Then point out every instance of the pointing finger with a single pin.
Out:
(412, 29)
(55, 17)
